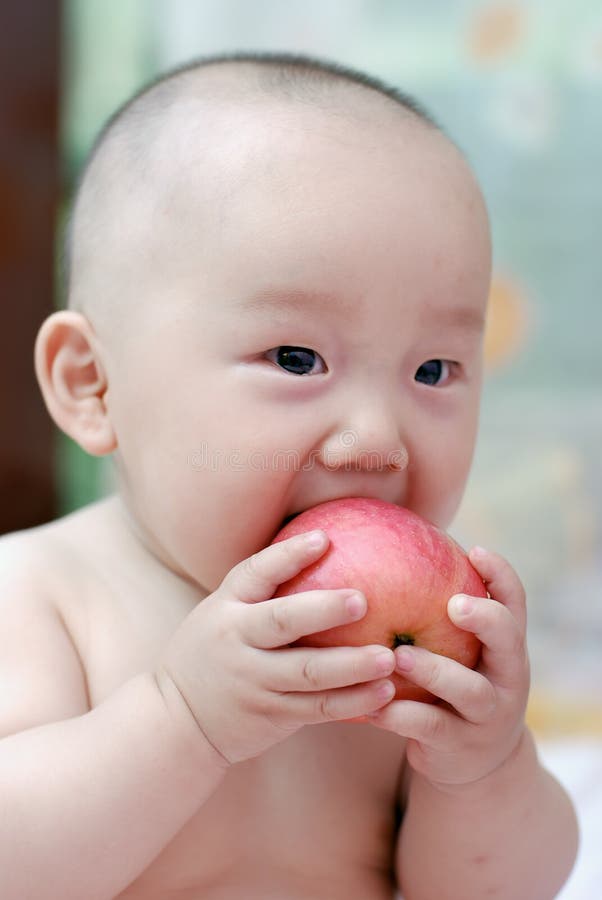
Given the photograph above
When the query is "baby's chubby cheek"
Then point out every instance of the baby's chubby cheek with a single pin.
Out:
(206, 547)
(437, 493)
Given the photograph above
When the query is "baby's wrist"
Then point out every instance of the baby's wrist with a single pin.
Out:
(192, 743)
(519, 763)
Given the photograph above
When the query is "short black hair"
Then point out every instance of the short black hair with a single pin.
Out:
(289, 74)
(296, 76)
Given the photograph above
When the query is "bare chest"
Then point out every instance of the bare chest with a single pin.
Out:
(316, 812)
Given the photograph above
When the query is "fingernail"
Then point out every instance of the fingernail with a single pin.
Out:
(384, 662)
(314, 539)
(405, 659)
(355, 605)
(462, 605)
(386, 691)
(479, 552)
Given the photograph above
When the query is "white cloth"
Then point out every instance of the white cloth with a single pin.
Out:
(577, 763)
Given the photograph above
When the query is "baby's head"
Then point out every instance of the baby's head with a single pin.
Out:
(277, 282)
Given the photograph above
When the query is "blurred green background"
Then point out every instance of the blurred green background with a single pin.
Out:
(518, 86)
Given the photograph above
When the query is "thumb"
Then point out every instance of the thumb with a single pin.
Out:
(257, 577)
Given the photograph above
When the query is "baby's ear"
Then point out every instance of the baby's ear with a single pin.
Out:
(73, 381)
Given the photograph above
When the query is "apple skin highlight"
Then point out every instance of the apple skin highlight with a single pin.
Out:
(406, 567)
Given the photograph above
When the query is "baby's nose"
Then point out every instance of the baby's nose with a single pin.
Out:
(367, 446)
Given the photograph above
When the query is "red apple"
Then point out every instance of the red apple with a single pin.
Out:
(407, 569)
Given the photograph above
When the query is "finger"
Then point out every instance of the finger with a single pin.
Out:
(283, 620)
(336, 705)
(423, 722)
(504, 655)
(257, 577)
(501, 581)
(469, 692)
(308, 669)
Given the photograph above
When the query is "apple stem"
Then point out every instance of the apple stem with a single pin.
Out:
(399, 640)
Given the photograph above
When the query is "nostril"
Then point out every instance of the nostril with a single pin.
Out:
(398, 459)
(371, 450)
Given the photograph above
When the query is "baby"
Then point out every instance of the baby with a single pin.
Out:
(277, 281)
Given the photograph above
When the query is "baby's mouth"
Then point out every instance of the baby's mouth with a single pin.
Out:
(288, 519)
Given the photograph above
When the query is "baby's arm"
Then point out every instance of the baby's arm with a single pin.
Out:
(510, 835)
(88, 797)
(90, 800)
(483, 818)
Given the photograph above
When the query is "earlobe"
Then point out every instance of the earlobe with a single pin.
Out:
(73, 381)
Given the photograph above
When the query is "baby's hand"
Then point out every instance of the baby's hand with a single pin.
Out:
(244, 686)
(481, 720)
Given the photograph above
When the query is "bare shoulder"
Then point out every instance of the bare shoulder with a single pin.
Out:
(47, 561)
(40, 668)
(28, 570)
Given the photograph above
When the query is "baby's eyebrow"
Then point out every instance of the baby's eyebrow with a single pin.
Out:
(282, 299)
(463, 318)
(294, 299)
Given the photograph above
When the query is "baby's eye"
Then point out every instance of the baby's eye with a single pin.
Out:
(434, 371)
(297, 360)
